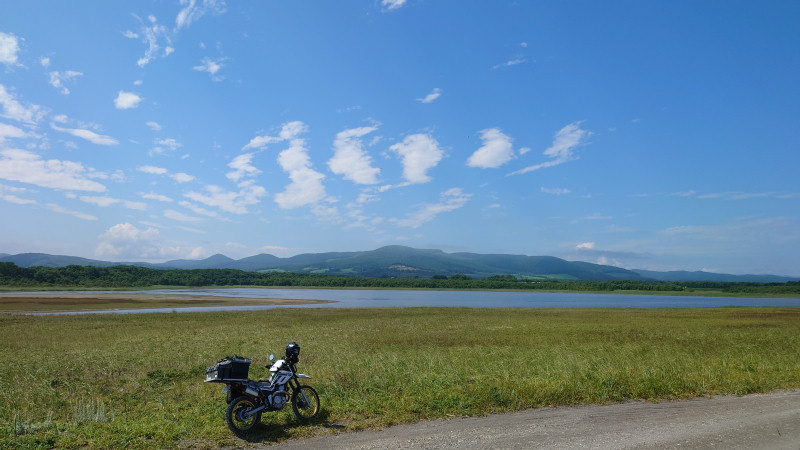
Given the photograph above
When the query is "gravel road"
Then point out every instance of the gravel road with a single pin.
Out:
(759, 421)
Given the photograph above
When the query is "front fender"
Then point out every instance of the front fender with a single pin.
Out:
(302, 375)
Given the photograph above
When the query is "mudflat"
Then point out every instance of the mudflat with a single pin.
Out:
(79, 301)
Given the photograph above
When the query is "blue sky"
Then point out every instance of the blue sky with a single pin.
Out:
(651, 135)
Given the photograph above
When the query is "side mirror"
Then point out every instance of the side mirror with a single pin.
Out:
(271, 356)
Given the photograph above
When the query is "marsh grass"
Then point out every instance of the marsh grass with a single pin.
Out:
(136, 380)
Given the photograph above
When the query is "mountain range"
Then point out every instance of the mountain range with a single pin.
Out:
(400, 261)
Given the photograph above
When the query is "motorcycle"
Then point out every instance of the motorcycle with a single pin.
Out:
(247, 398)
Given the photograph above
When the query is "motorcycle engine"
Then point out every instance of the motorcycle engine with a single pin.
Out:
(278, 398)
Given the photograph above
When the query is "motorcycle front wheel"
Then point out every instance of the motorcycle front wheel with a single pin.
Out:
(305, 402)
(238, 418)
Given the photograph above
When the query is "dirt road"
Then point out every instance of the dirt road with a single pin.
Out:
(760, 421)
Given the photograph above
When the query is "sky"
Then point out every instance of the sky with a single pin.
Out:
(645, 135)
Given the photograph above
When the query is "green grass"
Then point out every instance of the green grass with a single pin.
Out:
(136, 380)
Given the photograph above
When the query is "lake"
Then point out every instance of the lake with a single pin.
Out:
(374, 298)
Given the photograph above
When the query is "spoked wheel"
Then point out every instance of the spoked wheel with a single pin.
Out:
(238, 416)
(305, 402)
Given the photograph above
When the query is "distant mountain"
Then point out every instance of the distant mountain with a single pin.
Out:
(45, 260)
(682, 275)
(217, 261)
(399, 261)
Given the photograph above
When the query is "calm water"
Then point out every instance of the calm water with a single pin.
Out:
(364, 298)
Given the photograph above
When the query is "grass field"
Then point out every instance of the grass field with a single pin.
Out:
(137, 380)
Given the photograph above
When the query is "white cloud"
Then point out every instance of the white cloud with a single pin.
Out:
(436, 93)
(198, 210)
(242, 167)
(12, 109)
(585, 246)
(62, 210)
(90, 136)
(450, 200)
(8, 193)
(289, 130)
(175, 215)
(159, 197)
(392, 5)
(44, 61)
(212, 67)
(495, 151)
(306, 187)
(153, 126)
(57, 79)
(126, 100)
(152, 34)
(193, 10)
(126, 242)
(228, 201)
(9, 131)
(163, 145)
(130, 34)
(9, 47)
(152, 170)
(555, 191)
(26, 167)
(108, 201)
(349, 158)
(563, 148)
(420, 153)
(181, 177)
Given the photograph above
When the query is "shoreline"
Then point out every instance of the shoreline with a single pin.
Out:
(52, 302)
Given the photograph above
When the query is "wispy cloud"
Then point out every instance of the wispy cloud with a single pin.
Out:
(242, 167)
(127, 100)
(229, 201)
(9, 194)
(27, 167)
(14, 110)
(10, 131)
(104, 201)
(159, 197)
(89, 135)
(392, 5)
(495, 151)
(212, 66)
(155, 36)
(179, 177)
(57, 79)
(436, 93)
(193, 10)
(565, 142)
(153, 125)
(449, 200)
(288, 131)
(9, 48)
(555, 191)
(164, 145)
(62, 210)
(350, 159)
(179, 216)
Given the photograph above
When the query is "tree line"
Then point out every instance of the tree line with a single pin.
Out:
(126, 276)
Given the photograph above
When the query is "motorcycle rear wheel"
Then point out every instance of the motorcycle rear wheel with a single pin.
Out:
(234, 416)
(305, 402)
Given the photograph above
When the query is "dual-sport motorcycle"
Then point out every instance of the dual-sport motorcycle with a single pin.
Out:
(247, 399)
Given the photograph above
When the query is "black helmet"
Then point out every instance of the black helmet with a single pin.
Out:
(292, 352)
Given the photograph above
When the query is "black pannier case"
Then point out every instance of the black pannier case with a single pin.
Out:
(232, 368)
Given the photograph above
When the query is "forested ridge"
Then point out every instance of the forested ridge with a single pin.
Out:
(123, 276)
